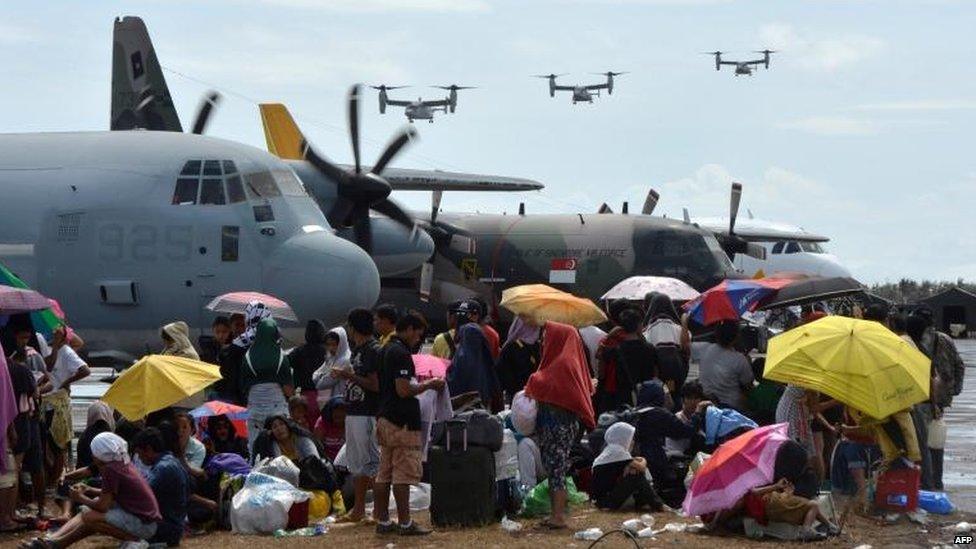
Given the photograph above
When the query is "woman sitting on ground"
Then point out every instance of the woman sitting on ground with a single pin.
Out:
(330, 428)
(283, 437)
(618, 476)
(223, 437)
(189, 448)
(124, 507)
(100, 420)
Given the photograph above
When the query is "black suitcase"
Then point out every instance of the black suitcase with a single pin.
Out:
(483, 429)
(462, 481)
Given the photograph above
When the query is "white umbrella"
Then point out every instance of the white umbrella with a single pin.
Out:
(636, 287)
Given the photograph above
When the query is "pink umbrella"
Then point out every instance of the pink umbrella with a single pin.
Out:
(737, 466)
(235, 302)
(21, 300)
(428, 366)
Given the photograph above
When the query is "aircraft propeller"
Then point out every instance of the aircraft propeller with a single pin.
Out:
(203, 113)
(549, 75)
(384, 87)
(455, 87)
(358, 191)
(650, 202)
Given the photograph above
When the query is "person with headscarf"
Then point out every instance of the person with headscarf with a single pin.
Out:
(231, 358)
(281, 436)
(265, 378)
(619, 476)
(305, 360)
(657, 423)
(101, 419)
(176, 341)
(670, 338)
(519, 356)
(562, 388)
(330, 429)
(124, 507)
(338, 356)
(223, 437)
(472, 369)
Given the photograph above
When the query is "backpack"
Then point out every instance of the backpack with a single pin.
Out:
(316, 474)
(949, 368)
(451, 345)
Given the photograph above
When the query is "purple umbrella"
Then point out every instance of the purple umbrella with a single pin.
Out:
(19, 300)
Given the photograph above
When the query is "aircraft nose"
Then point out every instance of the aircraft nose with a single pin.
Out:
(322, 276)
(833, 267)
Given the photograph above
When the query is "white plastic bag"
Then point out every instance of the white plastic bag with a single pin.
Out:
(696, 463)
(506, 459)
(279, 467)
(937, 433)
(261, 506)
(524, 412)
(419, 499)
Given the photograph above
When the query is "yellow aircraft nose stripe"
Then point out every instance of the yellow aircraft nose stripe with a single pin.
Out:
(282, 135)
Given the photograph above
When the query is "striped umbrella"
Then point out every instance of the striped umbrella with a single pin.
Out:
(731, 299)
(21, 300)
(235, 302)
(44, 321)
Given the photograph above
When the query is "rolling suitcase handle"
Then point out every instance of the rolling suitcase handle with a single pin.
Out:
(455, 423)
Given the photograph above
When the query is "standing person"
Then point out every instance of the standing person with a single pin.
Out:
(8, 435)
(671, 340)
(266, 378)
(923, 413)
(398, 427)
(519, 357)
(724, 372)
(305, 360)
(614, 386)
(473, 368)
(444, 344)
(123, 508)
(231, 359)
(337, 357)
(385, 321)
(170, 484)
(27, 372)
(220, 337)
(562, 387)
(483, 320)
(795, 410)
(362, 400)
(65, 367)
(176, 338)
(634, 353)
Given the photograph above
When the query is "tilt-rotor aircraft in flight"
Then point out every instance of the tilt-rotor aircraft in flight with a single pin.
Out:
(355, 199)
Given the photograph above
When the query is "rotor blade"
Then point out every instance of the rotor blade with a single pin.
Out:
(454, 87)
(426, 281)
(625, 208)
(326, 168)
(392, 210)
(354, 125)
(406, 135)
(734, 205)
(362, 230)
(385, 87)
(650, 202)
(203, 115)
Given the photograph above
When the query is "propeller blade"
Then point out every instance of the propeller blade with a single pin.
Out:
(605, 209)
(392, 210)
(325, 167)
(203, 115)
(549, 75)
(713, 52)
(764, 51)
(426, 281)
(385, 87)
(354, 125)
(625, 209)
(735, 198)
(362, 230)
(609, 73)
(686, 216)
(650, 202)
(455, 87)
(406, 135)
(341, 211)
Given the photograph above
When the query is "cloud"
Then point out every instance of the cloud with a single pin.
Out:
(831, 125)
(382, 6)
(13, 35)
(820, 54)
(920, 105)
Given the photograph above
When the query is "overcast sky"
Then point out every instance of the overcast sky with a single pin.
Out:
(861, 129)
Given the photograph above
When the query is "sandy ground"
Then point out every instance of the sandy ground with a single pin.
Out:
(858, 531)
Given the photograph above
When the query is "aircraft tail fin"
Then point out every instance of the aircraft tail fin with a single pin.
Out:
(140, 96)
(280, 132)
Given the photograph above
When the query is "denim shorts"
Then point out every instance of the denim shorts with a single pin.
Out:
(124, 520)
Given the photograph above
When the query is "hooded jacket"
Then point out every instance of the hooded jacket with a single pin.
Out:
(473, 368)
(307, 358)
(179, 335)
(658, 423)
(265, 362)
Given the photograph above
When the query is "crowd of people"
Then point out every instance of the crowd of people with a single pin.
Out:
(615, 412)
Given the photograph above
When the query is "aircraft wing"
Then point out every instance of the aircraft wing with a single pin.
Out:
(755, 230)
(398, 103)
(564, 88)
(436, 103)
(757, 62)
(405, 179)
(597, 87)
(728, 62)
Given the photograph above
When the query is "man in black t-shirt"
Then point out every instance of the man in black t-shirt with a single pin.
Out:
(362, 451)
(398, 427)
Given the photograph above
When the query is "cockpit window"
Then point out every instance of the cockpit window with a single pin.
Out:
(778, 247)
(811, 247)
(235, 189)
(792, 247)
(186, 191)
(288, 183)
(211, 168)
(262, 184)
(229, 167)
(212, 192)
(191, 168)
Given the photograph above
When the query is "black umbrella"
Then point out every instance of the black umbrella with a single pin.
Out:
(809, 290)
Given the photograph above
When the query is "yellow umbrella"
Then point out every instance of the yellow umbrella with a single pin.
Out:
(158, 381)
(858, 362)
(541, 303)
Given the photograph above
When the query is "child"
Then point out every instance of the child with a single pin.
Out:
(777, 503)
(691, 395)
(330, 428)
(298, 412)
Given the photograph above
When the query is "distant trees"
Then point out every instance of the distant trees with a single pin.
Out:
(911, 291)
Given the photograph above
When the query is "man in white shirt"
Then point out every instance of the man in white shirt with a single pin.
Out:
(65, 367)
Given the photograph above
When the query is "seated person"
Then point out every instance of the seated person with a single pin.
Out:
(283, 437)
(691, 394)
(169, 482)
(298, 412)
(777, 503)
(124, 508)
(100, 420)
(658, 423)
(190, 448)
(223, 437)
(618, 476)
(330, 427)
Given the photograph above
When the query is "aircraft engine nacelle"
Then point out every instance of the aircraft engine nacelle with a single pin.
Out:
(382, 101)
(610, 83)
(552, 86)
(452, 100)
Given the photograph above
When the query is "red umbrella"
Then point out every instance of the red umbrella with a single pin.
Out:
(235, 302)
(236, 414)
(21, 300)
(732, 298)
(428, 366)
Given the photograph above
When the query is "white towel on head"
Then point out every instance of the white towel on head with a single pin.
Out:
(108, 447)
